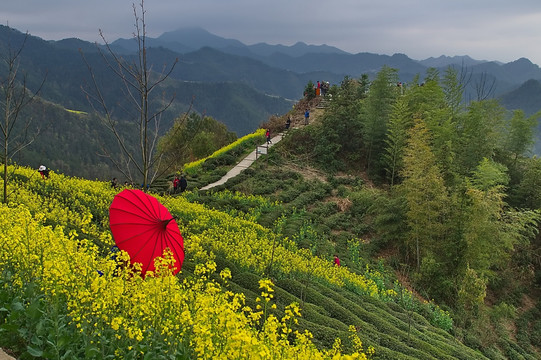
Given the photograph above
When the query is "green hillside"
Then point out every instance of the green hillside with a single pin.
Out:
(71, 140)
(376, 163)
(432, 208)
(70, 210)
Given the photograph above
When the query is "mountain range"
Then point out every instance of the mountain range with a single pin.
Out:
(242, 85)
(290, 67)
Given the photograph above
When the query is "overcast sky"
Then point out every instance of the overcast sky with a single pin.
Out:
(502, 30)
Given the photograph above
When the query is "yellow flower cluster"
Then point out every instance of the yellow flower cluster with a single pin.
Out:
(48, 237)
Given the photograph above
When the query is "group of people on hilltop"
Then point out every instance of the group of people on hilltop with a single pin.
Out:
(322, 87)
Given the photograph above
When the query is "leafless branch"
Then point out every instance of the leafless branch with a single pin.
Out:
(15, 96)
(139, 81)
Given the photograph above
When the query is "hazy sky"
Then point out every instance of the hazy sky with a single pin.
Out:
(502, 30)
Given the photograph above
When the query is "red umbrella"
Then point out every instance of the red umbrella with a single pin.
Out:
(144, 228)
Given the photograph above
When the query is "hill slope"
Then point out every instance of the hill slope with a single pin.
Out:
(331, 299)
(232, 101)
(527, 97)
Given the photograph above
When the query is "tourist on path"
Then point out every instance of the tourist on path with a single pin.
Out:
(268, 136)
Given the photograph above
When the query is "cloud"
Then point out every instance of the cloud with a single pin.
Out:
(485, 29)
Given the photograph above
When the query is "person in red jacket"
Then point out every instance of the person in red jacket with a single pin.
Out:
(336, 260)
(176, 183)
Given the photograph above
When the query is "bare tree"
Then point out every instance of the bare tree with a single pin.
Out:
(139, 84)
(15, 130)
(455, 81)
(485, 87)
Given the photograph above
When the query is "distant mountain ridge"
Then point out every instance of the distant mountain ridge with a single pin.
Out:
(443, 61)
(527, 98)
(529, 91)
(242, 85)
(189, 39)
(280, 70)
(227, 60)
(290, 67)
(333, 63)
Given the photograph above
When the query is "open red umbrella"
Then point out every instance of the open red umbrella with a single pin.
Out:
(143, 228)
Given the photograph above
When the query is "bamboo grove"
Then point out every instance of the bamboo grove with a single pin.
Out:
(461, 205)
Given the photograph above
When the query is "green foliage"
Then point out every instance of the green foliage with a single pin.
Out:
(453, 88)
(528, 191)
(479, 134)
(227, 154)
(310, 90)
(400, 121)
(340, 132)
(446, 209)
(425, 193)
(378, 107)
(520, 137)
(472, 291)
(489, 175)
(76, 152)
(193, 137)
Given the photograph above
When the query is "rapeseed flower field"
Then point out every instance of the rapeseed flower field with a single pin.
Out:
(64, 296)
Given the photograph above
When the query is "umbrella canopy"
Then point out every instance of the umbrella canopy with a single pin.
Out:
(143, 228)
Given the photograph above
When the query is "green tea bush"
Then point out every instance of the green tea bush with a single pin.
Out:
(323, 336)
(325, 209)
(289, 194)
(535, 336)
(336, 181)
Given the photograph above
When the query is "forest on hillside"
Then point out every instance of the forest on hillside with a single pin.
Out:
(451, 195)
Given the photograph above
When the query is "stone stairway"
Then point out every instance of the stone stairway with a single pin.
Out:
(323, 103)
(243, 164)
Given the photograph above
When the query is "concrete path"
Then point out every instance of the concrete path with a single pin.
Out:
(4, 356)
(243, 164)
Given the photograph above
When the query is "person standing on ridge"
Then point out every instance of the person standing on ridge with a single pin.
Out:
(306, 117)
(267, 135)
